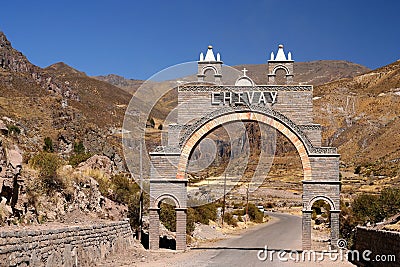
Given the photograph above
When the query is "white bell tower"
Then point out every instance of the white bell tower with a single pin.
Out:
(209, 64)
(280, 62)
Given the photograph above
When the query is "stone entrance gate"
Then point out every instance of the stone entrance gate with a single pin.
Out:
(204, 106)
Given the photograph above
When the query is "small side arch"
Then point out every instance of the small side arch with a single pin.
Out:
(158, 200)
(325, 198)
(281, 67)
(209, 67)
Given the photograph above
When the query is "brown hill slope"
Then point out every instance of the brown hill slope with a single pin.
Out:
(361, 116)
(313, 72)
(59, 102)
(128, 85)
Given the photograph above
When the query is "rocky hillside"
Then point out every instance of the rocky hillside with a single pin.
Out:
(361, 116)
(61, 103)
(129, 85)
(62, 111)
(313, 72)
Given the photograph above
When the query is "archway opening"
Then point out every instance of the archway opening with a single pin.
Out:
(280, 77)
(259, 167)
(320, 225)
(209, 75)
(167, 224)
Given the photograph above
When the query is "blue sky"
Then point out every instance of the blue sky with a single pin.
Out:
(136, 39)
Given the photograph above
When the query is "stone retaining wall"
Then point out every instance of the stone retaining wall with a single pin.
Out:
(63, 246)
(379, 242)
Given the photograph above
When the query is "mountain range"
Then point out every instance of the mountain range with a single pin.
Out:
(358, 107)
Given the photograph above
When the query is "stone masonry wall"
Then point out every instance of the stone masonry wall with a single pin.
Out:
(63, 246)
(293, 102)
(379, 242)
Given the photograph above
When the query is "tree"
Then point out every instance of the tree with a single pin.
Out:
(366, 208)
(390, 201)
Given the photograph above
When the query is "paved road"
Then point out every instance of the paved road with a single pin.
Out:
(284, 233)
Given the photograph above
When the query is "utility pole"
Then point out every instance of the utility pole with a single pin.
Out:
(223, 207)
(247, 202)
(141, 192)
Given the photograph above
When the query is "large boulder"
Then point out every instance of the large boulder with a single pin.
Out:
(3, 128)
(97, 162)
(14, 157)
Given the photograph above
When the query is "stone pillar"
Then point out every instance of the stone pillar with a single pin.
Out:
(306, 233)
(154, 225)
(180, 228)
(271, 79)
(289, 79)
(334, 228)
(218, 78)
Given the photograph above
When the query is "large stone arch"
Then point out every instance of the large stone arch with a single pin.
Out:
(286, 108)
(313, 188)
(318, 183)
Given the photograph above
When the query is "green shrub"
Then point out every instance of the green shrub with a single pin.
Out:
(204, 213)
(48, 145)
(79, 154)
(168, 216)
(79, 148)
(13, 129)
(190, 221)
(134, 207)
(314, 215)
(366, 208)
(201, 214)
(123, 189)
(240, 212)
(255, 214)
(75, 159)
(229, 219)
(47, 165)
(390, 201)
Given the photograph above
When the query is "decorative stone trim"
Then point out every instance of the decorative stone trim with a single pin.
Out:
(211, 88)
(320, 182)
(310, 127)
(168, 180)
(166, 150)
(190, 129)
(324, 151)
